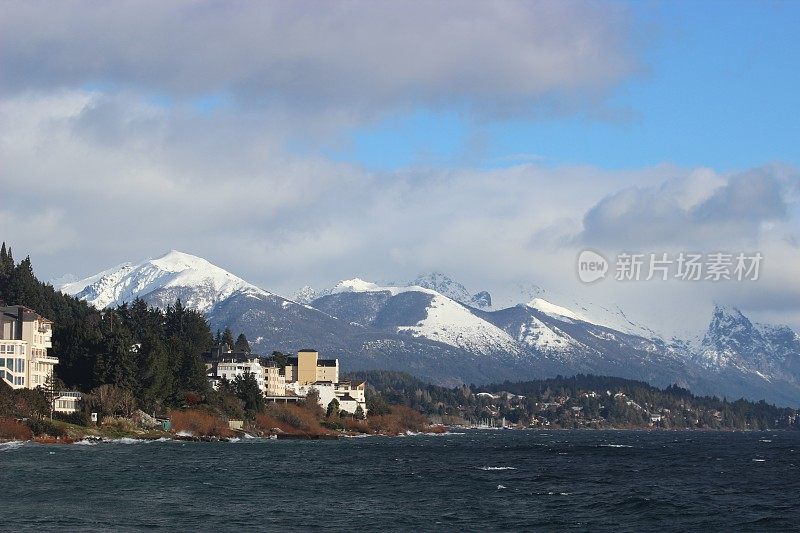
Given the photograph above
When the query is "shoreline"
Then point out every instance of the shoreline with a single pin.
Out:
(451, 430)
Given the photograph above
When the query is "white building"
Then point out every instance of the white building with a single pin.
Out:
(67, 402)
(230, 369)
(25, 337)
(349, 395)
(293, 381)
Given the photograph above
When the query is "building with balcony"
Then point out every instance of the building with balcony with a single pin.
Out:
(229, 369)
(25, 337)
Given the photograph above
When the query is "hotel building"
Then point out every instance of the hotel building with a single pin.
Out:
(25, 337)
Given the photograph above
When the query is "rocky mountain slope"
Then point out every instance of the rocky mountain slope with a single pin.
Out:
(434, 328)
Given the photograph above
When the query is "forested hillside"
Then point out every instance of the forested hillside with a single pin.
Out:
(572, 402)
(153, 354)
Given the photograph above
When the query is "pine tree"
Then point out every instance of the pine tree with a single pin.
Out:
(155, 378)
(333, 409)
(241, 344)
(227, 338)
(247, 390)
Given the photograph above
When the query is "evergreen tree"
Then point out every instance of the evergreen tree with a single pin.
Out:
(155, 378)
(280, 359)
(241, 344)
(333, 409)
(249, 393)
(227, 338)
(118, 364)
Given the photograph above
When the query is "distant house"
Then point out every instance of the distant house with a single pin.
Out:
(67, 402)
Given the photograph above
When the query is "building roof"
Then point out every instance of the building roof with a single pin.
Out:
(346, 398)
(8, 310)
(292, 361)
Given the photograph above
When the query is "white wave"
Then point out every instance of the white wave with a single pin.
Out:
(12, 445)
(615, 446)
(498, 468)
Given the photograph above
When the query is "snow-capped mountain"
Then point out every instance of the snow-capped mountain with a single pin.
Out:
(433, 329)
(417, 311)
(308, 294)
(732, 340)
(199, 284)
(454, 290)
(760, 354)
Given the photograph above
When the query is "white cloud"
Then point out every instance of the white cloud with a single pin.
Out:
(223, 188)
(345, 58)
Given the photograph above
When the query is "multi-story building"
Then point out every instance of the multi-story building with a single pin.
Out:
(275, 379)
(25, 337)
(307, 367)
(291, 382)
(231, 368)
(307, 371)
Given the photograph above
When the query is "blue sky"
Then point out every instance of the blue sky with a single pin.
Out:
(718, 86)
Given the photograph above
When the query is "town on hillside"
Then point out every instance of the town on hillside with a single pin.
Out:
(25, 363)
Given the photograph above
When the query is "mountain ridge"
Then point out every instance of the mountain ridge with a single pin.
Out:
(418, 329)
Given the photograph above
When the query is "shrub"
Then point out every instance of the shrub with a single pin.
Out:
(43, 426)
(121, 424)
(12, 429)
(359, 426)
(290, 419)
(409, 418)
(199, 423)
(79, 418)
(192, 398)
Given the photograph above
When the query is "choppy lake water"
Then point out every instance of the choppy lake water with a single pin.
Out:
(471, 480)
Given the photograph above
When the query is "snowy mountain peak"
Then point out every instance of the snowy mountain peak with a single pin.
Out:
(454, 290)
(540, 304)
(308, 294)
(175, 261)
(443, 285)
(160, 281)
(355, 285)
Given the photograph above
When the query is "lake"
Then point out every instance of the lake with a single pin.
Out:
(466, 480)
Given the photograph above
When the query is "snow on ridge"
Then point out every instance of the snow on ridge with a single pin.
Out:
(540, 304)
(360, 285)
(450, 322)
(74, 287)
(447, 320)
(200, 283)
